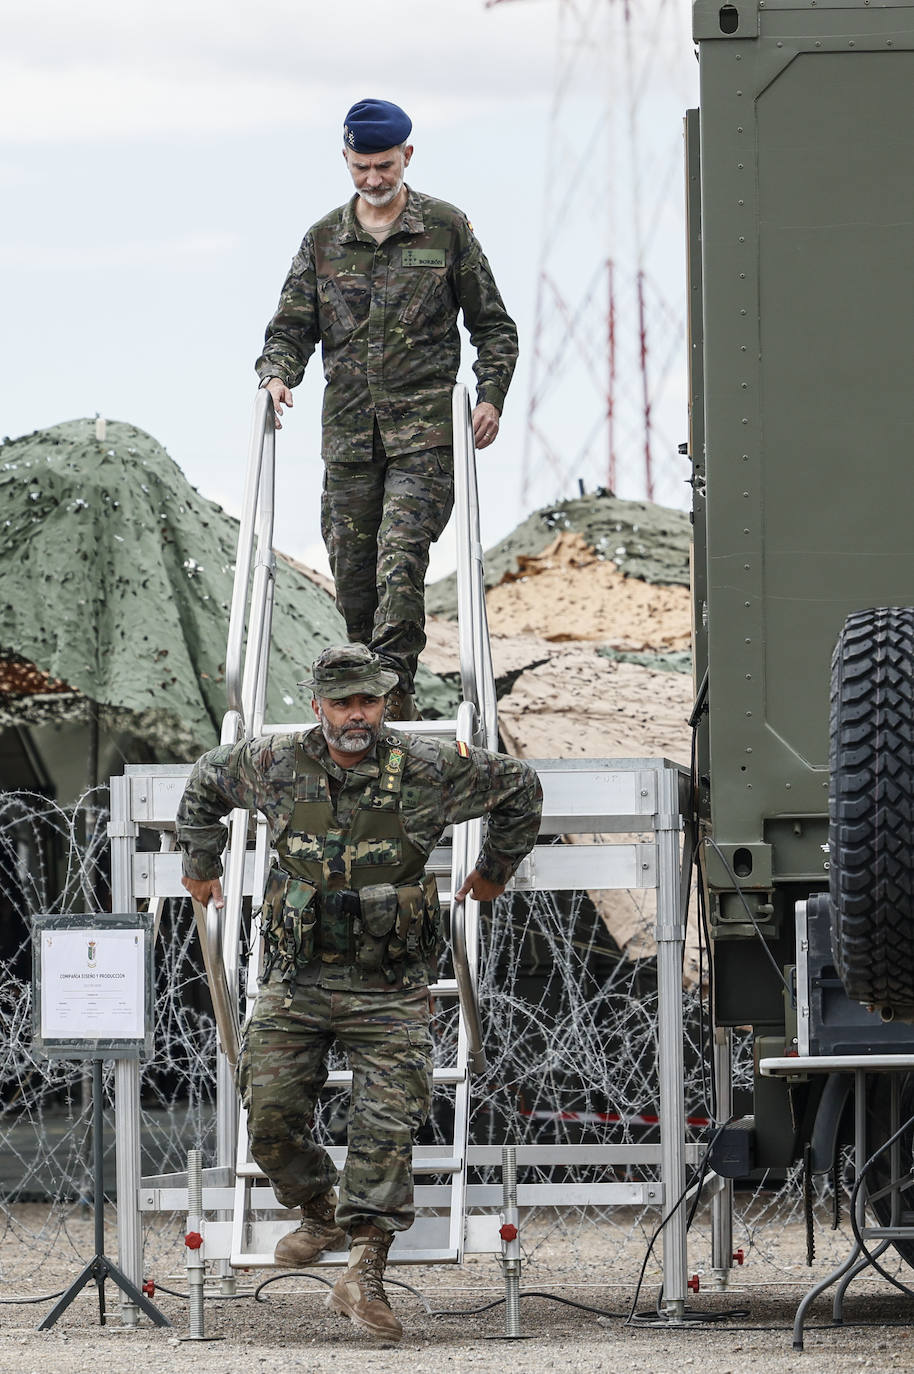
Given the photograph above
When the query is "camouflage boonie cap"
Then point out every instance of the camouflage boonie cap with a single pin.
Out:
(348, 669)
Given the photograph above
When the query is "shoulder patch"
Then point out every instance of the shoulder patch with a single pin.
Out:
(463, 749)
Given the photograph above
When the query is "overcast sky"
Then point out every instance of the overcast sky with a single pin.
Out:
(160, 162)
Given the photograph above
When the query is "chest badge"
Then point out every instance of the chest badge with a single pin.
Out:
(424, 257)
(393, 768)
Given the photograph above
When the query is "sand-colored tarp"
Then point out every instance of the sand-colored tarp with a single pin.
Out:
(641, 539)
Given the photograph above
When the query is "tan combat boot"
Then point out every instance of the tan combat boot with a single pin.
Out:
(318, 1231)
(359, 1292)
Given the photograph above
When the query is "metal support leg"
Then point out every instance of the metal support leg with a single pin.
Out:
(722, 1202)
(853, 1265)
(670, 940)
(127, 1135)
(226, 1146)
(510, 1240)
(100, 1268)
(123, 833)
(193, 1243)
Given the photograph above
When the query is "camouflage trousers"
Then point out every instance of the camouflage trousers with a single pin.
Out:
(283, 1068)
(378, 521)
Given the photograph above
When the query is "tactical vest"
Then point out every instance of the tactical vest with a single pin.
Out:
(354, 896)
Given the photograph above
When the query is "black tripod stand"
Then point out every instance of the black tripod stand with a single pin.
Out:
(100, 1267)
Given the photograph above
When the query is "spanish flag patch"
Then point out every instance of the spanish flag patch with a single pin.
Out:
(463, 749)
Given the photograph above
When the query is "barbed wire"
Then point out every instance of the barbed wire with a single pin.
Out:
(571, 1042)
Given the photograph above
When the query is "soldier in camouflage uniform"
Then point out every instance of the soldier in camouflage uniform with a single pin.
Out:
(380, 282)
(353, 933)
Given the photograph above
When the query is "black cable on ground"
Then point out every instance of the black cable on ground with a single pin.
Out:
(698, 1185)
(528, 1293)
(705, 1322)
(45, 1297)
(328, 1283)
(692, 1318)
(208, 1297)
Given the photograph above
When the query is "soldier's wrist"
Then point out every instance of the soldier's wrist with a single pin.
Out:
(495, 870)
(492, 396)
(201, 870)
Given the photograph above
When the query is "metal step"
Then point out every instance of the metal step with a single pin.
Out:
(447, 1074)
(426, 1242)
(426, 1160)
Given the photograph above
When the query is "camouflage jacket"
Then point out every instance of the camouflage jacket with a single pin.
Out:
(440, 787)
(386, 317)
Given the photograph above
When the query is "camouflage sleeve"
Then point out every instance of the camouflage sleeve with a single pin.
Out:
(505, 790)
(293, 332)
(492, 331)
(254, 775)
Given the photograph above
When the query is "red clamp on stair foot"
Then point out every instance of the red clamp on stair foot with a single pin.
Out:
(738, 1256)
(508, 1231)
(694, 1284)
(149, 1288)
(193, 1240)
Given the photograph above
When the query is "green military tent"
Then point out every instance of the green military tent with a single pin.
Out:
(115, 585)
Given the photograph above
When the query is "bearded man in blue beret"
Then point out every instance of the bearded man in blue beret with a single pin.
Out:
(380, 282)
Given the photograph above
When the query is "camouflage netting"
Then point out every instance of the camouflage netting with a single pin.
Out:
(643, 540)
(116, 579)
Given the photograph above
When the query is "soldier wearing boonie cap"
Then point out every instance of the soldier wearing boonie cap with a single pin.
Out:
(349, 670)
(353, 934)
(379, 282)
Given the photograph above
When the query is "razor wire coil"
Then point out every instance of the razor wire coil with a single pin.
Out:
(571, 1040)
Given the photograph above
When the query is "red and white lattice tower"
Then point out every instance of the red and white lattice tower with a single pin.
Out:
(608, 381)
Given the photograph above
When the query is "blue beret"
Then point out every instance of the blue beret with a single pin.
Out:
(372, 126)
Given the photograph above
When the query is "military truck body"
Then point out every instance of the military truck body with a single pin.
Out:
(800, 176)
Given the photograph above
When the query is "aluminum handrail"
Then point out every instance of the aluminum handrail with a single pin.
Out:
(477, 675)
(225, 1006)
(243, 676)
(465, 914)
(246, 668)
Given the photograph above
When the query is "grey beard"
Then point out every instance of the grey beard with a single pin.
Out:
(348, 739)
(381, 198)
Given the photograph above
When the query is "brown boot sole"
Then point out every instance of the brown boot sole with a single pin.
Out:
(343, 1309)
(335, 1245)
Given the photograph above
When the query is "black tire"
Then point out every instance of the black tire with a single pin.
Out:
(871, 809)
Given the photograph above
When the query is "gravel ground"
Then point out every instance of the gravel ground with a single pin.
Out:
(290, 1328)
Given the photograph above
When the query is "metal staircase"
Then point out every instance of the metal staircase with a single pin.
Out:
(596, 798)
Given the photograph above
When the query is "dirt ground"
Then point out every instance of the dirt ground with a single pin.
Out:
(748, 1327)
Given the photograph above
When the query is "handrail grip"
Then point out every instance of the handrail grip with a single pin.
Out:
(460, 866)
(225, 1006)
(262, 438)
(477, 675)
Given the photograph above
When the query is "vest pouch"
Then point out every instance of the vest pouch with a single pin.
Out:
(271, 910)
(298, 937)
(339, 917)
(431, 941)
(379, 915)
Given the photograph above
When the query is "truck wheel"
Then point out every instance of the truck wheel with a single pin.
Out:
(871, 809)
